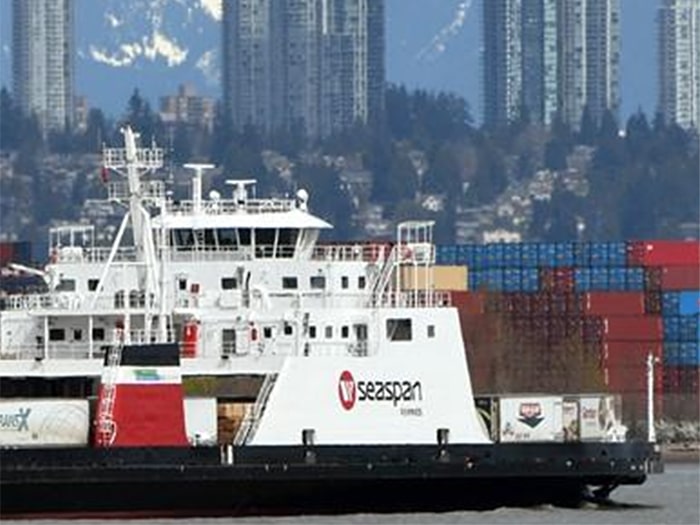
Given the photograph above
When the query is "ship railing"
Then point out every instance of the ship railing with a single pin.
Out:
(150, 189)
(75, 254)
(69, 301)
(149, 158)
(55, 351)
(229, 206)
(413, 299)
(352, 252)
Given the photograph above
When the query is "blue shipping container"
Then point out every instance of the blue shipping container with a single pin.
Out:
(689, 302)
(599, 254)
(582, 279)
(670, 303)
(528, 255)
(634, 278)
(672, 328)
(546, 255)
(617, 254)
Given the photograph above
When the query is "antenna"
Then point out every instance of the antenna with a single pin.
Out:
(197, 183)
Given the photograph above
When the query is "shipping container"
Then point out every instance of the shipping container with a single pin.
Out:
(443, 278)
(529, 255)
(600, 417)
(600, 254)
(681, 380)
(670, 303)
(634, 279)
(530, 418)
(633, 328)
(546, 255)
(617, 254)
(620, 354)
(680, 278)
(564, 254)
(689, 302)
(613, 303)
(446, 254)
(44, 422)
(664, 253)
(582, 254)
(230, 417)
(468, 302)
(201, 420)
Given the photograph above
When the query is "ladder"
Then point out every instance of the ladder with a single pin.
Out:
(252, 419)
(106, 427)
(383, 278)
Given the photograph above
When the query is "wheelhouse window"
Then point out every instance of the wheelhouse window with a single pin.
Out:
(57, 334)
(98, 334)
(399, 329)
(66, 285)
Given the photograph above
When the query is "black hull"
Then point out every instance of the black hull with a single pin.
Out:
(321, 479)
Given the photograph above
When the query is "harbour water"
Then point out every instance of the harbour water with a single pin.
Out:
(669, 498)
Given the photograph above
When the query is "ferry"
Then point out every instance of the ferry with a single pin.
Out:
(343, 371)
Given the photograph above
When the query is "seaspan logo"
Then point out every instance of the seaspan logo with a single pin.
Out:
(393, 391)
(347, 390)
(530, 414)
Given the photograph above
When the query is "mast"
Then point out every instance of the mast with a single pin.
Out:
(133, 163)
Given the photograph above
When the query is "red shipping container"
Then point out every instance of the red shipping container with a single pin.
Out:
(630, 353)
(613, 303)
(7, 252)
(667, 253)
(680, 278)
(469, 303)
(631, 382)
(637, 328)
(681, 380)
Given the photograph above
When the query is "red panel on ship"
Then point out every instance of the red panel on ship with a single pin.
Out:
(149, 415)
(680, 278)
(664, 253)
(637, 328)
(613, 303)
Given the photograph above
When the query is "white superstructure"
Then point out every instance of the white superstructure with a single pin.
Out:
(348, 353)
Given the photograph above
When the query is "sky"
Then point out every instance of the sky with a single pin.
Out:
(413, 28)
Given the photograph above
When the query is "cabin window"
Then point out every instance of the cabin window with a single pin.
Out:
(229, 283)
(98, 334)
(289, 283)
(227, 238)
(344, 282)
(267, 332)
(361, 282)
(228, 341)
(344, 332)
(66, 285)
(431, 330)
(182, 284)
(77, 334)
(317, 282)
(119, 299)
(57, 334)
(329, 332)
(398, 329)
(288, 329)
(92, 284)
(312, 332)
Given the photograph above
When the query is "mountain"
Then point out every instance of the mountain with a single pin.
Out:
(432, 44)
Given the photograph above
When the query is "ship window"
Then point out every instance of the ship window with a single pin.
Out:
(182, 284)
(182, 238)
(288, 329)
(312, 332)
(289, 283)
(329, 332)
(209, 239)
(227, 238)
(344, 332)
(92, 284)
(398, 329)
(431, 330)
(317, 282)
(57, 334)
(77, 334)
(228, 341)
(286, 241)
(244, 237)
(229, 283)
(361, 282)
(344, 282)
(98, 334)
(66, 285)
(267, 332)
(119, 299)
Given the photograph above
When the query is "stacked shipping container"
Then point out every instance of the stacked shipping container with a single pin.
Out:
(616, 301)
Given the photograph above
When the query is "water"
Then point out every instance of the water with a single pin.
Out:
(669, 498)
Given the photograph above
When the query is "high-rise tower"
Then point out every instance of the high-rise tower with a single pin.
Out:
(43, 60)
(679, 62)
(316, 65)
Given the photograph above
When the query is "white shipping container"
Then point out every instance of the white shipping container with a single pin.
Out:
(44, 422)
(600, 418)
(200, 420)
(530, 418)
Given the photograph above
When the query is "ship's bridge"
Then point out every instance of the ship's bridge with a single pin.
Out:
(239, 227)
